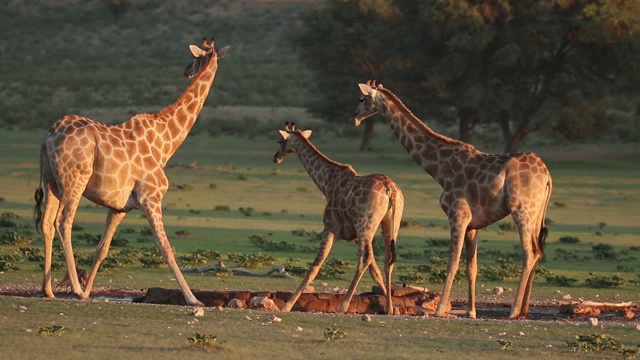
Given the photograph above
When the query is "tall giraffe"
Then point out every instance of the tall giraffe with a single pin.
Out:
(479, 189)
(356, 207)
(120, 167)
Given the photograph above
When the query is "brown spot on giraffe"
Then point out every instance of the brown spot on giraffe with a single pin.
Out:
(516, 184)
(120, 167)
(356, 207)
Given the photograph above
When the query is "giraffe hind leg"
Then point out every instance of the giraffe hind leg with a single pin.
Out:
(64, 222)
(365, 259)
(48, 233)
(114, 218)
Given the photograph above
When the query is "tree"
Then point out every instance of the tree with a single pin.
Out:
(523, 64)
(346, 42)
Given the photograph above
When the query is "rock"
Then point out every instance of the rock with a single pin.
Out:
(566, 297)
(308, 289)
(198, 311)
(593, 321)
(366, 317)
(263, 303)
(498, 291)
(298, 328)
(235, 304)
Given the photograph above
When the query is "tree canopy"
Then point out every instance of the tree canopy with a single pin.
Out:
(525, 65)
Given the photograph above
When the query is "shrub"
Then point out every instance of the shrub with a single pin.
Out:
(604, 282)
(569, 240)
(560, 280)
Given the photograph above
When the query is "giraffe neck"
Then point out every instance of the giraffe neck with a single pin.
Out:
(432, 151)
(173, 123)
(323, 171)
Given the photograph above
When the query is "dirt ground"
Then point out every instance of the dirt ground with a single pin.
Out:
(407, 303)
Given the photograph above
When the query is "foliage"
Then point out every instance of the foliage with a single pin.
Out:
(504, 344)
(263, 243)
(202, 340)
(133, 71)
(7, 266)
(252, 260)
(51, 330)
(595, 342)
(525, 65)
(604, 282)
(569, 239)
(152, 258)
(334, 334)
(560, 280)
(10, 237)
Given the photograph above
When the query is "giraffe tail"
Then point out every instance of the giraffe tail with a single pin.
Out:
(544, 231)
(396, 206)
(38, 196)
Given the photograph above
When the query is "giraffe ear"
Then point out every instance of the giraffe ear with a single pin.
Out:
(366, 89)
(196, 51)
(221, 53)
(306, 134)
(284, 134)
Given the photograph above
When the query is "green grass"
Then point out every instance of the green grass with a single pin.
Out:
(284, 199)
(106, 330)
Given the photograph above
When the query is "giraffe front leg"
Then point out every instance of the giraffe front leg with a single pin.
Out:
(154, 215)
(471, 246)
(457, 240)
(325, 247)
(114, 218)
(365, 258)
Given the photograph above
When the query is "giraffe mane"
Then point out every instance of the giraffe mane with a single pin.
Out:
(419, 123)
(346, 167)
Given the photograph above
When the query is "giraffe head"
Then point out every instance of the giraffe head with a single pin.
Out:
(201, 56)
(367, 107)
(288, 136)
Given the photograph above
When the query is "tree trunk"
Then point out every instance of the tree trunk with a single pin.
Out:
(511, 142)
(465, 126)
(368, 135)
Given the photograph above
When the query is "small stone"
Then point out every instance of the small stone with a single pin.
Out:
(638, 327)
(593, 321)
(198, 311)
(566, 297)
(498, 290)
(324, 283)
(520, 333)
(248, 317)
(309, 289)
(549, 346)
(298, 328)
(366, 317)
(275, 319)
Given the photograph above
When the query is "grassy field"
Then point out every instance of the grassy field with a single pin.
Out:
(594, 201)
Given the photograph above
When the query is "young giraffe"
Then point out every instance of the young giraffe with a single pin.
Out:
(356, 207)
(120, 167)
(479, 189)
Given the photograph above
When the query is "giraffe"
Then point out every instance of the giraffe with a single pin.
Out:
(356, 207)
(479, 189)
(120, 167)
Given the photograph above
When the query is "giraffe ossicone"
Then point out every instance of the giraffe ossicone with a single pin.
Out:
(120, 167)
(356, 207)
(479, 189)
